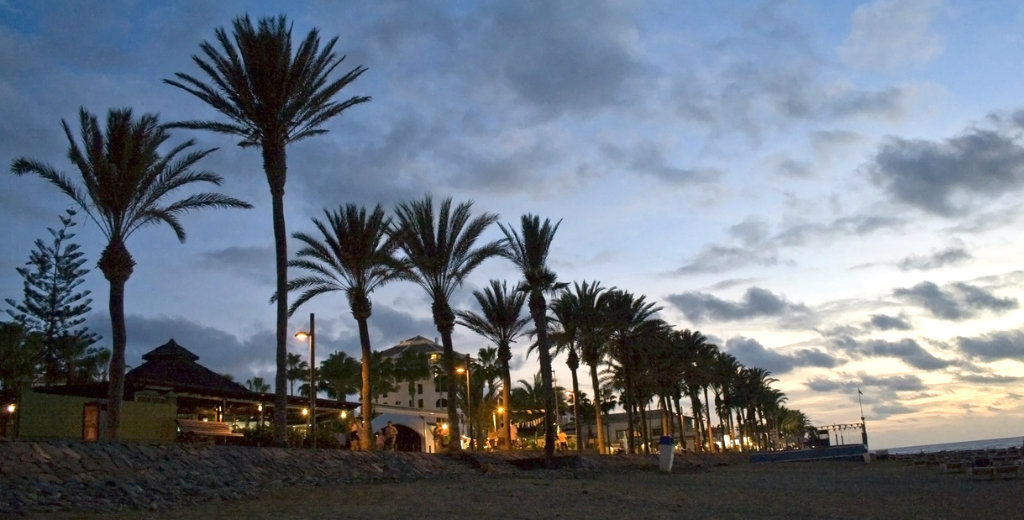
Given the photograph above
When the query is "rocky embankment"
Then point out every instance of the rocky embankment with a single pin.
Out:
(113, 476)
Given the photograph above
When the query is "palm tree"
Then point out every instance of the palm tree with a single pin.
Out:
(576, 312)
(271, 98)
(592, 342)
(409, 367)
(124, 184)
(724, 367)
(341, 374)
(626, 315)
(257, 385)
(356, 256)
(298, 370)
(529, 252)
(500, 323)
(442, 254)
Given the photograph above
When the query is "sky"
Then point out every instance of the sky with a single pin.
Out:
(827, 190)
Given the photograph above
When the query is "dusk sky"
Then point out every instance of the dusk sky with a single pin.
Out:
(828, 190)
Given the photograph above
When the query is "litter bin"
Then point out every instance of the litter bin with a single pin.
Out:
(666, 451)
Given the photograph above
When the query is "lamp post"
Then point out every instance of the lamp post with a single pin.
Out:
(469, 405)
(311, 335)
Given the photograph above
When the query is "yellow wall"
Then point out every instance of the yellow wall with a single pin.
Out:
(60, 416)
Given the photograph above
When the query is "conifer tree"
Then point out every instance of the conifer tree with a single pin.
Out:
(54, 309)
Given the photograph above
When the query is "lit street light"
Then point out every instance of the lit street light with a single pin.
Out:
(311, 335)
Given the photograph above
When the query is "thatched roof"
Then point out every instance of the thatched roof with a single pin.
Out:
(173, 366)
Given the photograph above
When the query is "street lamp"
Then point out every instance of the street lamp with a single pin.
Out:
(311, 335)
(469, 406)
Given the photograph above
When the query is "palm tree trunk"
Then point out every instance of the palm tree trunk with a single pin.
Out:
(505, 355)
(679, 419)
(275, 166)
(117, 264)
(645, 428)
(117, 362)
(538, 311)
(365, 437)
(698, 420)
(707, 409)
(444, 318)
(574, 364)
(598, 415)
(630, 407)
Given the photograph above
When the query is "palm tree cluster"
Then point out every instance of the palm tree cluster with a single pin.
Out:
(271, 97)
(616, 334)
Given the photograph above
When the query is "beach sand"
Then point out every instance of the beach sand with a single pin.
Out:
(795, 490)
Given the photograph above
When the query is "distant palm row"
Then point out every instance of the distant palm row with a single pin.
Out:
(272, 97)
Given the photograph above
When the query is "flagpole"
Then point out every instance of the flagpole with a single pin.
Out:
(863, 425)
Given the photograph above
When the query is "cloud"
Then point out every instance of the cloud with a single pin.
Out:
(563, 57)
(878, 385)
(757, 302)
(953, 177)
(994, 346)
(718, 259)
(252, 262)
(888, 35)
(649, 159)
(959, 301)
(751, 353)
(883, 322)
(906, 350)
(756, 245)
(988, 379)
(950, 256)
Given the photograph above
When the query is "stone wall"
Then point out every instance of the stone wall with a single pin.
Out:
(63, 475)
(66, 475)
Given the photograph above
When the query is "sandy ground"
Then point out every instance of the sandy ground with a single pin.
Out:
(818, 490)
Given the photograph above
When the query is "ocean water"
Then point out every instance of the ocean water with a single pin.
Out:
(984, 444)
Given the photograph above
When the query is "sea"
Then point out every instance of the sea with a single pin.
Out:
(985, 444)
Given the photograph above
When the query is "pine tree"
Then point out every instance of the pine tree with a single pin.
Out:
(54, 309)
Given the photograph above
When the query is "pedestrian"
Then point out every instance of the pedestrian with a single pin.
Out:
(563, 441)
(438, 438)
(380, 440)
(353, 436)
(390, 437)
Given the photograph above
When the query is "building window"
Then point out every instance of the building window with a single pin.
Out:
(419, 388)
(420, 403)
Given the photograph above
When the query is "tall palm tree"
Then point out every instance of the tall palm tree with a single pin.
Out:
(692, 344)
(124, 185)
(593, 336)
(724, 368)
(271, 98)
(626, 315)
(501, 322)
(356, 256)
(576, 311)
(441, 252)
(529, 252)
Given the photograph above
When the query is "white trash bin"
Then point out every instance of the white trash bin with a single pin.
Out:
(666, 452)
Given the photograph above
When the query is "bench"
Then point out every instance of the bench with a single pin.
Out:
(991, 472)
(192, 430)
